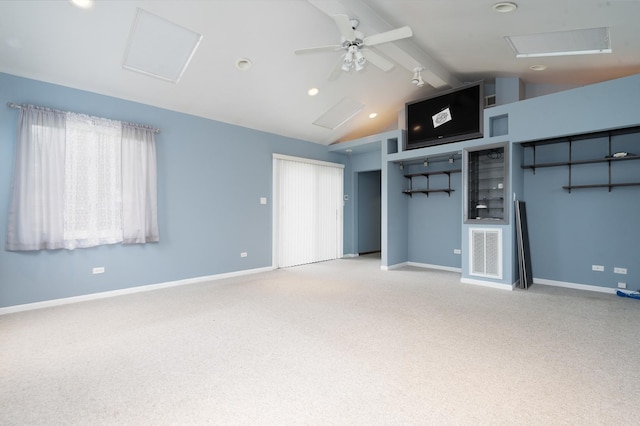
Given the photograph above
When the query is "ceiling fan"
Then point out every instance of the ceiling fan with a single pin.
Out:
(356, 46)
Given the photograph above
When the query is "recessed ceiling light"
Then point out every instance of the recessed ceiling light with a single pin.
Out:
(313, 91)
(83, 4)
(504, 7)
(373, 115)
(538, 67)
(243, 64)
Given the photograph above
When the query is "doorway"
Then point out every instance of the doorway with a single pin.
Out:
(369, 211)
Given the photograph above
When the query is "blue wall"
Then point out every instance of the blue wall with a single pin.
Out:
(211, 176)
(434, 221)
(209, 191)
(568, 232)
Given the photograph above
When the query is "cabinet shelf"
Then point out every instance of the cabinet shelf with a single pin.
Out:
(486, 184)
(429, 190)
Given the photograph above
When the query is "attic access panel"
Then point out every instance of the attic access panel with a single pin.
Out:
(560, 43)
(159, 48)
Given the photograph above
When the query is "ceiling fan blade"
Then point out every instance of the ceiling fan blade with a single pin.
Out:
(377, 60)
(387, 36)
(344, 25)
(304, 51)
(337, 70)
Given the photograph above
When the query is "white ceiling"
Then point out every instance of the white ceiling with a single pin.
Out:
(456, 41)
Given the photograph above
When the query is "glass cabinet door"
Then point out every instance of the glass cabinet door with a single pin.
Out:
(486, 185)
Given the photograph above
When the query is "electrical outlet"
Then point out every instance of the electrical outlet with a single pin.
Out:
(457, 251)
(243, 254)
(599, 268)
(622, 285)
(620, 271)
(98, 270)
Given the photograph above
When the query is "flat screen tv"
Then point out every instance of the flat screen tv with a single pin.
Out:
(451, 116)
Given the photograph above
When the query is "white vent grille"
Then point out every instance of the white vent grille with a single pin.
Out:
(486, 252)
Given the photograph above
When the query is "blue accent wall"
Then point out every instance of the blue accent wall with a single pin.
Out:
(434, 220)
(568, 232)
(211, 176)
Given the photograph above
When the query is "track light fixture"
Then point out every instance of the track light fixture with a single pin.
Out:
(417, 77)
(451, 159)
(401, 166)
(426, 162)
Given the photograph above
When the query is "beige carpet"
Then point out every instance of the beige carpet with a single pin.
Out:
(334, 343)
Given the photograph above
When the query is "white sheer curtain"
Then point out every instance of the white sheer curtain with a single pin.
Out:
(36, 212)
(93, 182)
(81, 181)
(139, 186)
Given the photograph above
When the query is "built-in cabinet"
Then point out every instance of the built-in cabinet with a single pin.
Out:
(608, 147)
(486, 184)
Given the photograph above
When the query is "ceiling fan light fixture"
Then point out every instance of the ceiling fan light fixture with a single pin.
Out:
(417, 77)
(504, 7)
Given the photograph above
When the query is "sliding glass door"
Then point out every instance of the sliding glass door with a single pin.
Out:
(308, 203)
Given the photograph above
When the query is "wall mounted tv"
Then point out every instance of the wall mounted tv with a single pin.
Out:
(451, 116)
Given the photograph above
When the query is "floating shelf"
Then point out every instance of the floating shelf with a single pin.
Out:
(428, 190)
(601, 185)
(575, 162)
(609, 159)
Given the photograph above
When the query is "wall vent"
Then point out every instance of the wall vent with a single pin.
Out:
(489, 101)
(485, 258)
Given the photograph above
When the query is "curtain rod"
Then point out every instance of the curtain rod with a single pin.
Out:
(18, 106)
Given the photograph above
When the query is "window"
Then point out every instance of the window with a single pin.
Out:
(81, 181)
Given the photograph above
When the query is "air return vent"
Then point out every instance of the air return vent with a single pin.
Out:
(485, 258)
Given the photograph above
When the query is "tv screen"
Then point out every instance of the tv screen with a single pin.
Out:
(451, 116)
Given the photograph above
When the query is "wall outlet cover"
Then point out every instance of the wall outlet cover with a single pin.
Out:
(599, 268)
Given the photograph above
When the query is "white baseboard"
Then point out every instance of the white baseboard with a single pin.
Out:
(131, 290)
(430, 266)
(491, 284)
(396, 266)
(576, 286)
(348, 255)
(420, 265)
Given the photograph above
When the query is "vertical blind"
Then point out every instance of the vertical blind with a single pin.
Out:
(308, 197)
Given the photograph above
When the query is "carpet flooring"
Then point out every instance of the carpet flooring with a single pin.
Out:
(332, 343)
